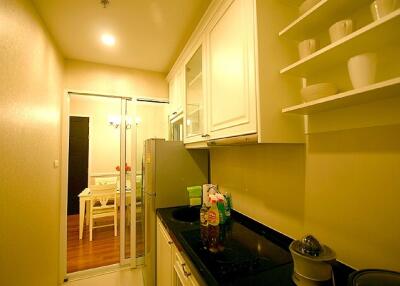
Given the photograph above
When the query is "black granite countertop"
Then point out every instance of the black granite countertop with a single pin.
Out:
(242, 237)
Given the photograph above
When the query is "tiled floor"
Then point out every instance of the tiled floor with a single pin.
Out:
(127, 277)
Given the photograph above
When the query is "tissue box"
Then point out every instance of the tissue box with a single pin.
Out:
(194, 195)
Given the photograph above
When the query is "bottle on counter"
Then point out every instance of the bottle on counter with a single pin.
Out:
(204, 236)
(213, 225)
(228, 205)
(213, 212)
(204, 215)
(221, 208)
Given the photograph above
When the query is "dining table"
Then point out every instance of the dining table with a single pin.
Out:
(84, 205)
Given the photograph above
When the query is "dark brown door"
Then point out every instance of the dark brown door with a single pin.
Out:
(78, 160)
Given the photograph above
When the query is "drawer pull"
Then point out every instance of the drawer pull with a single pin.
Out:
(170, 242)
(186, 273)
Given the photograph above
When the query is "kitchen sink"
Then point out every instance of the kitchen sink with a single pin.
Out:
(187, 214)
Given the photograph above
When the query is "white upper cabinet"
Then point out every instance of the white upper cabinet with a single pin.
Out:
(240, 90)
(231, 73)
(172, 97)
(195, 116)
(176, 94)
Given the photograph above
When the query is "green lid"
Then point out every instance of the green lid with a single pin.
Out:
(194, 191)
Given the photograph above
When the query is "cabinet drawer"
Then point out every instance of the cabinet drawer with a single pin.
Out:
(183, 272)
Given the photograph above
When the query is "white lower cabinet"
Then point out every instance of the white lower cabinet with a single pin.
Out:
(172, 269)
(182, 274)
(164, 256)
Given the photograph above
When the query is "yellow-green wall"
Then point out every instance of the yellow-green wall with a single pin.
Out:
(353, 194)
(266, 182)
(31, 72)
(342, 186)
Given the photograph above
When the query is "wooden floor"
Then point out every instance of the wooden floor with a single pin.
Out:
(103, 250)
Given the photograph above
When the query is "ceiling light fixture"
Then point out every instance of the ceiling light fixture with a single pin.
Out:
(108, 39)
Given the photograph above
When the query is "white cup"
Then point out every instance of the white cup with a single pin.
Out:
(380, 8)
(362, 69)
(307, 47)
(340, 29)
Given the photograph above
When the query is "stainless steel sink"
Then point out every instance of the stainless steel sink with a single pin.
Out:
(186, 214)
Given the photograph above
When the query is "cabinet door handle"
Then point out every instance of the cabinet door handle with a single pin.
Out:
(187, 274)
(204, 135)
(170, 242)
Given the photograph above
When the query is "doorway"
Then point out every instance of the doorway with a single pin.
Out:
(78, 161)
(117, 130)
(100, 159)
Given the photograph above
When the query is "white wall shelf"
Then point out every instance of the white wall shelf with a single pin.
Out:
(322, 15)
(381, 90)
(369, 38)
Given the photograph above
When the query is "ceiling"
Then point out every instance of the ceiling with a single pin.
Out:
(149, 33)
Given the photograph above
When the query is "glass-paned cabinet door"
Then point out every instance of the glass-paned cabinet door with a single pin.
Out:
(194, 95)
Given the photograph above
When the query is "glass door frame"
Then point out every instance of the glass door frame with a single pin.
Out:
(123, 261)
(201, 135)
(123, 198)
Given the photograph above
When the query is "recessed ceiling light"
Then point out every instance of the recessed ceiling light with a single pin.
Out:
(108, 39)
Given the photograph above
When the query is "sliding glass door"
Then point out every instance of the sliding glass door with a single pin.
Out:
(128, 175)
(107, 135)
(101, 218)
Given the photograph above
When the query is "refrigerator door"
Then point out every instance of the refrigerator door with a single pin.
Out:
(175, 169)
(149, 163)
(150, 240)
(168, 168)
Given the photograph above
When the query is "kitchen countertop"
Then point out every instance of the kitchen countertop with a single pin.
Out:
(274, 267)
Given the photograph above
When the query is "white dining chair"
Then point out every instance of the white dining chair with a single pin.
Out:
(103, 203)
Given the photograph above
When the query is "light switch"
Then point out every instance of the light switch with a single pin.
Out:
(56, 163)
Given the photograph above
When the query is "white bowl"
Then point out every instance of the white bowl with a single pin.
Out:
(318, 90)
(307, 5)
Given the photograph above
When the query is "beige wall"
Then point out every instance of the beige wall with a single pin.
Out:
(31, 89)
(351, 199)
(353, 194)
(105, 139)
(266, 182)
(84, 76)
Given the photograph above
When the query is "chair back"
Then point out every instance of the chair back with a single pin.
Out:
(103, 194)
(104, 180)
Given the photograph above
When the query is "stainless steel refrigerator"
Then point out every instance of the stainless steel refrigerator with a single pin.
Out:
(168, 168)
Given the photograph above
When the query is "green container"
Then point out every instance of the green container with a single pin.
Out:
(194, 193)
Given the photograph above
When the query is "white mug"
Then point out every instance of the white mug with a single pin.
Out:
(307, 47)
(362, 69)
(380, 8)
(340, 29)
